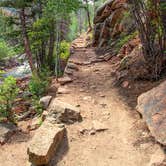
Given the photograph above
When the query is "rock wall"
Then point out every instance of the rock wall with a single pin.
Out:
(110, 21)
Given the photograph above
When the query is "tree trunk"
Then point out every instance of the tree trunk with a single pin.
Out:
(148, 24)
(26, 40)
(88, 16)
(51, 45)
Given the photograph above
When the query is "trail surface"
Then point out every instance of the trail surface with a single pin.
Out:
(125, 142)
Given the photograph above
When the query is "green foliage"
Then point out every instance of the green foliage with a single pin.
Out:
(39, 33)
(8, 93)
(163, 6)
(39, 84)
(42, 22)
(36, 105)
(124, 39)
(73, 28)
(64, 50)
(1, 73)
(37, 87)
(5, 50)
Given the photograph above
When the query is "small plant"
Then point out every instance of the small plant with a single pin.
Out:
(36, 105)
(1, 73)
(39, 84)
(64, 50)
(37, 88)
(5, 50)
(8, 93)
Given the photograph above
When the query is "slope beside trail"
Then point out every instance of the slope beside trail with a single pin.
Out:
(126, 142)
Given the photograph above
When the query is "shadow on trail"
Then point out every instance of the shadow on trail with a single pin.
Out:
(62, 150)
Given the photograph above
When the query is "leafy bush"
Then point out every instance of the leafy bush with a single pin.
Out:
(5, 50)
(36, 105)
(1, 73)
(39, 84)
(37, 88)
(8, 93)
(64, 50)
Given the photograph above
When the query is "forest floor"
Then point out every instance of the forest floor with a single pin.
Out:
(124, 140)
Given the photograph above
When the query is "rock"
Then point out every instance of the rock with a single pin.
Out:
(93, 87)
(64, 112)
(82, 90)
(87, 63)
(121, 74)
(72, 66)
(6, 131)
(65, 80)
(97, 60)
(98, 126)
(44, 144)
(52, 90)
(157, 157)
(69, 71)
(25, 115)
(45, 101)
(35, 124)
(44, 115)
(125, 84)
(62, 90)
(92, 132)
(87, 98)
(110, 22)
(102, 95)
(152, 106)
(108, 56)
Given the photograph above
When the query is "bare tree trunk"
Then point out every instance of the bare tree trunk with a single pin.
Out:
(26, 40)
(51, 44)
(88, 16)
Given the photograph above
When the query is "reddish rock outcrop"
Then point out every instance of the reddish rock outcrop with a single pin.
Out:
(108, 21)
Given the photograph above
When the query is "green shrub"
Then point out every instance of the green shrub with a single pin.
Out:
(36, 105)
(5, 50)
(64, 50)
(38, 84)
(1, 73)
(37, 87)
(8, 93)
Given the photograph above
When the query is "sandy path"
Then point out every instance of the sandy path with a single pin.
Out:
(125, 143)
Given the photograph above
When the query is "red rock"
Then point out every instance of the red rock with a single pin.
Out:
(152, 106)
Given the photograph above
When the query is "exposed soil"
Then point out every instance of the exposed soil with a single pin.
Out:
(126, 142)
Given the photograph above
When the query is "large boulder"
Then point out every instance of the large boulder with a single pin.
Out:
(44, 144)
(63, 112)
(152, 106)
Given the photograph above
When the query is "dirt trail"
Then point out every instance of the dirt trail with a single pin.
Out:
(126, 142)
